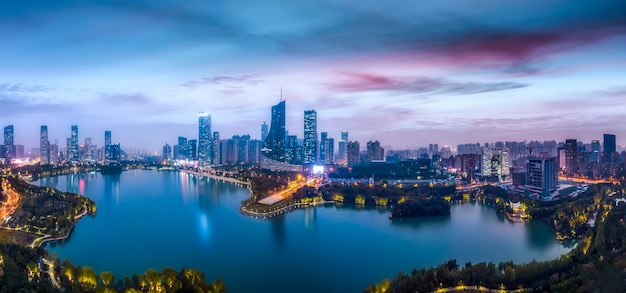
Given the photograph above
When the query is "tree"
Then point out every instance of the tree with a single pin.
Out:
(107, 278)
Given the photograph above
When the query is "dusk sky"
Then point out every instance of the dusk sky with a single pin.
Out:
(407, 73)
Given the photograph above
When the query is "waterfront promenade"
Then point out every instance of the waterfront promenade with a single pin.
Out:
(212, 176)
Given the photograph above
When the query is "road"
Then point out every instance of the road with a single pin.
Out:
(53, 278)
(13, 199)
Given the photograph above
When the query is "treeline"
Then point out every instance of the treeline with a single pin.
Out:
(16, 263)
(263, 182)
(421, 208)
(84, 279)
(393, 193)
(597, 264)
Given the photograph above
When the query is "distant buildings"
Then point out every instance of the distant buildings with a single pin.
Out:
(73, 154)
(375, 153)
(353, 152)
(167, 152)
(264, 130)
(571, 157)
(9, 146)
(183, 148)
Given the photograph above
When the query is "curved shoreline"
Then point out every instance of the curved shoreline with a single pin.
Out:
(279, 211)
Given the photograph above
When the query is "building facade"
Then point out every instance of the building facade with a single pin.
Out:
(541, 175)
(204, 138)
(310, 136)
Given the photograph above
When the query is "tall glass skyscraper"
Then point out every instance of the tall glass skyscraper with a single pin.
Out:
(273, 155)
(108, 154)
(74, 144)
(183, 148)
(9, 145)
(204, 138)
(44, 145)
(310, 136)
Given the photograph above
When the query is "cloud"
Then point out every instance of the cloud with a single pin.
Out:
(364, 82)
(216, 80)
(117, 98)
(21, 88)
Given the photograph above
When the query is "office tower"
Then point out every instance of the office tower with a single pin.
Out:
(329, 151)
(375, 152)
(541, 175)
(68, 148)
(571, 157)
(496, 163)
(609, 148)
(167, 152)
(344, 135)
(86, 154)
(204, 138)
(73, 153)
(216, 151)
(9, 144)
(353, 152)
(323, 138)
(192, 149)
(273, 150)
(44, 145)
(116, 152)
(263, 130)
(310, 136)
(107, 145)
(595, 151)
(183, 148)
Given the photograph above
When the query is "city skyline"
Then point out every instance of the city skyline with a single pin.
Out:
(402, 73)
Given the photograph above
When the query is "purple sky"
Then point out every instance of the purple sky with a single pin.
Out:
(407, 73)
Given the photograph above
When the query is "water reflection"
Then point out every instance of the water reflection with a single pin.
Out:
(418, 223)
(310, 217)
(112, 187)
(278, 229)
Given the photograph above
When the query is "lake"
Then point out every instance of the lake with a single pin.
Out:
(152, 219)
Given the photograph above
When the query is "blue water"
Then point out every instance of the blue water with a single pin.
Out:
(151, 219)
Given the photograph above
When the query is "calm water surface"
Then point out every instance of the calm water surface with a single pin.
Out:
(157, 219)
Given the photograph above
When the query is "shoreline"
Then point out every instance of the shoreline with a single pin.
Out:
(279, 211)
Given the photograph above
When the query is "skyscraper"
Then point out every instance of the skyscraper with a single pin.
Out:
(9, 144)
(344, 135)
(204, 138)
(341, 147)
(263, 130)
(183, 148)
(273, 151)
(73, 153)
(323, 138)
(571, 156)
(310, 136)
(44, 145)
(107, 145)
(329, 151)
(192, 148)
(609, 148)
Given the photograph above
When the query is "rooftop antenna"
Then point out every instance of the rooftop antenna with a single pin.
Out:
(281, 94)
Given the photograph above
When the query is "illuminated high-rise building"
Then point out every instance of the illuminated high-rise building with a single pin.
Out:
(204, 138)
(329, 151)
(44, 145)
(496, 163)
(167, 152)
(192, 148)
(273, 155)
(216, 150)
(108, 154)
(571, 156)
(9, 144)
(323, 138)
(375, 152)
(183, 148)
(73, 152)
(541, 175)
(595, 151)
(310, 136)
(344, 135)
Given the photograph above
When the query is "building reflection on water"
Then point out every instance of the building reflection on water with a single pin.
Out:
(310, 217)
(112, 187)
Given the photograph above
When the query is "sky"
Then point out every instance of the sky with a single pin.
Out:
(406, 73)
